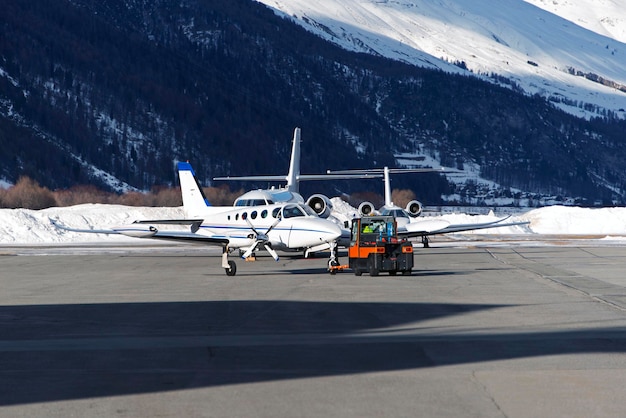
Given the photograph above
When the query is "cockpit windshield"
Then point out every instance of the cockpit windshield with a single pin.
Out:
(307, 209)
(396, 213)
(292, 211)
(252, 202)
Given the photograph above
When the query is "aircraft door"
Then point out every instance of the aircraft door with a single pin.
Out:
(289, 236)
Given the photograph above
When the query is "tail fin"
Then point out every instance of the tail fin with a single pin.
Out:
(294, 164)
(195, 202)
(387, 181)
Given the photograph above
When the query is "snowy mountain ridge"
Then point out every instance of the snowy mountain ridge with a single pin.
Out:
(570, 52)
(114, 93)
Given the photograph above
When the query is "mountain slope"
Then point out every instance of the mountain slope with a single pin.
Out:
(115, 93)
(604, 17)
(128, 88)
(578, 68)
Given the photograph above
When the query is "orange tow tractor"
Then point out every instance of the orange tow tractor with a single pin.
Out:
(375, 247)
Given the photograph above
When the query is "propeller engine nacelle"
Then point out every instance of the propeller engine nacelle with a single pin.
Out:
(320, 205)
(414, 208)
(366, 209)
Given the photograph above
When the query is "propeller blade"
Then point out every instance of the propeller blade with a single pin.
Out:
(271, 251)
(249, 251)
(251, 227)
(261, 238)
(273, 225)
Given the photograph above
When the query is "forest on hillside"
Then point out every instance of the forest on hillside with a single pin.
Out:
(114, 93)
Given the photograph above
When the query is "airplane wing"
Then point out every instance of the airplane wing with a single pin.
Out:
(146, 229)
(436, 227)
(379, 172)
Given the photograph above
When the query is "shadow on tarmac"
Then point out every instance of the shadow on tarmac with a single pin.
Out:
(61, 352)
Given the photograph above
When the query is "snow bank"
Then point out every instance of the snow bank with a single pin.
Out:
(34, 227)
(24, 226)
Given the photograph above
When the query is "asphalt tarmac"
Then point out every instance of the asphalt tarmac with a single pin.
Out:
(484, 331)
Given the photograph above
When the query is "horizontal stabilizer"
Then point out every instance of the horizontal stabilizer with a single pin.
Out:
(381, 171)
(303, 177)
(252, 178)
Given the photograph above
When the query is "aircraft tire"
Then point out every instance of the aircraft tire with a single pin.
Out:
(232, 270)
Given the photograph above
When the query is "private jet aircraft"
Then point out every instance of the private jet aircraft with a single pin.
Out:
(281, 226)
(290, 192)
(409, 226)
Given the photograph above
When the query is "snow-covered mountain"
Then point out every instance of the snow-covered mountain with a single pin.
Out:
(572, 52)
(115, 93)
(604, 17)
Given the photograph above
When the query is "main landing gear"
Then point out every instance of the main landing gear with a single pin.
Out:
(333, 260)
(228, 265)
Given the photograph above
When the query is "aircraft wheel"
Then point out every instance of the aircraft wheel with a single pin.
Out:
(232, 268)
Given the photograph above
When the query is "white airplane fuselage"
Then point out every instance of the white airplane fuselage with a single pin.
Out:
(290, 226)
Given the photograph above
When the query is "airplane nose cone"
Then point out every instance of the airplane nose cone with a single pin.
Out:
(313, 232)
(327, 230)
(334, 230)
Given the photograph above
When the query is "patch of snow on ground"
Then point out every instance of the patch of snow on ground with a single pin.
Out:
(34, 227)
